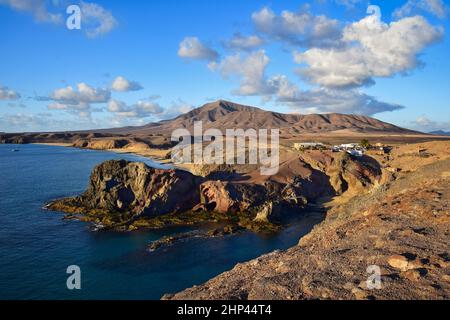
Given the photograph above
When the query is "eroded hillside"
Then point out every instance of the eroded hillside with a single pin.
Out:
(401, 226)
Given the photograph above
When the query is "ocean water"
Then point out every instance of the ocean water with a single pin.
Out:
(37, 246)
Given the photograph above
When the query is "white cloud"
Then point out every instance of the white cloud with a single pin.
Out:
(8, 94)
(250, 69)
(177, 107)
(85, 93)
(38, 8)
(374, 49)
(77, 101)
(340, 101)
(299, 28)
(96, 20)
(424, 124)
(240, 42)
(192, 48)
(435, 7)
(123, 85)
(349, 3)
(142, 109)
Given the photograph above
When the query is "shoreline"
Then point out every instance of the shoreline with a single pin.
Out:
(148, 155)
(54, 144)
(155, 155)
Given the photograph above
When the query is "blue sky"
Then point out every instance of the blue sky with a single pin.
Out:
(134, 62)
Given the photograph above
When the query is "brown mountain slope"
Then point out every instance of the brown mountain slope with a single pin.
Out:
(228, 115)
(329, 128)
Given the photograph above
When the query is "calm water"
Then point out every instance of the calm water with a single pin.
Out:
(37, 246)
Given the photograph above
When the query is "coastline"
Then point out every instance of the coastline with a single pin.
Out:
(404, 165)
(54, 144)
(156, 155)
(151, 154)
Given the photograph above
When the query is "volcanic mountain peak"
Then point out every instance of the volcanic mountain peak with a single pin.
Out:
(224, 114)
(212, 111)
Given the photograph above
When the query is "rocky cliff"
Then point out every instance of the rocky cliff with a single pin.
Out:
(121, 192)
(126, 195)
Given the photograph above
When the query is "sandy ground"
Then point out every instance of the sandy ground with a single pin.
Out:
(60, 144)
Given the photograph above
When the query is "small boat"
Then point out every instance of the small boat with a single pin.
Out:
(15, 150)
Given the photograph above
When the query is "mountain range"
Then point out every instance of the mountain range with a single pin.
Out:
(228, 115)
(440, 133)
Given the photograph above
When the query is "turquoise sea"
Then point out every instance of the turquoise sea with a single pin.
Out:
(37, 246)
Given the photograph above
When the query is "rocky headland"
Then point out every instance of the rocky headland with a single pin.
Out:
(127, 196)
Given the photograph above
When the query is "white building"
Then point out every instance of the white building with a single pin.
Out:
(349, 146)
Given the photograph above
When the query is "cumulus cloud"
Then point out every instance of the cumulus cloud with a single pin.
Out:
(82, 110)
(373, 49)
(38, 8)
(192, 48)
(435, 7)
(240, 42)
(96, 20)
(77, 101)
(8, 94)
(142, 109)
(349, 3)
(175, 109)
(339, 60)
(85, 94)
(322, 100)
(423, 123)
(123, 85)
(298, 28)
(250, 69)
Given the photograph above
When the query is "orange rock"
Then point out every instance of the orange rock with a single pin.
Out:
(398, 262)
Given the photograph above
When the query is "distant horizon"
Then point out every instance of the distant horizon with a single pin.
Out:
(200, 107)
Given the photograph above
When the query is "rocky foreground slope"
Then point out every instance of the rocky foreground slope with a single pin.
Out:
(403, 227)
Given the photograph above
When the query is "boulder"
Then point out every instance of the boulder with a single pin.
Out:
(133, 189)
(398, 262)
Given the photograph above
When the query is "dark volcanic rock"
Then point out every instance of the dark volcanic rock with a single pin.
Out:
(128, 190)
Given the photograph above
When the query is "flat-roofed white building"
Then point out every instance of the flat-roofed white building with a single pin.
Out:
(348, 146)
